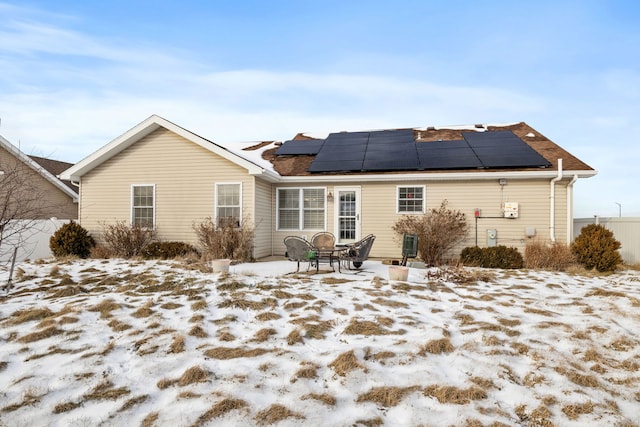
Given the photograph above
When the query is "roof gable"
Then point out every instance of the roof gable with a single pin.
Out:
(145, 128)
(44, 167)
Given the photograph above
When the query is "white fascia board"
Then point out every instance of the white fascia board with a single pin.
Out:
(454, 176)
(140, 131)
(36, 167)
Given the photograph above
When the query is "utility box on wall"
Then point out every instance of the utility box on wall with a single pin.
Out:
(492, 238)
(511, 210)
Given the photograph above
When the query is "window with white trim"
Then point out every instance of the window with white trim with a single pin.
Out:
(228, 202)
(411, 199)
(301, 208)
(143, 205)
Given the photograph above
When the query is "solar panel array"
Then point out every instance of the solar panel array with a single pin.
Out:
(396, 150)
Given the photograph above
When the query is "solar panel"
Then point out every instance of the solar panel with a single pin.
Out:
(503, 149)
(301, 147)
(397, 150)
(335, 166)
(397, 163)
(454, 158)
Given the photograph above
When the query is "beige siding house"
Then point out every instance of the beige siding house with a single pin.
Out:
(28, 184)
(161, 175)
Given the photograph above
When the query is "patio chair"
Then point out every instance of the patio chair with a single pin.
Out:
(323, 240)
(357, 253)
(299, 250)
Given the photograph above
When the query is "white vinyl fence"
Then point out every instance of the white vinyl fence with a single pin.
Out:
(625, 230)
(33, 243)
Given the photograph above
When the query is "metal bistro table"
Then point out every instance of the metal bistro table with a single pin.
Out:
(328, 255)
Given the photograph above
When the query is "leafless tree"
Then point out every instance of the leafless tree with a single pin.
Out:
(23, 201)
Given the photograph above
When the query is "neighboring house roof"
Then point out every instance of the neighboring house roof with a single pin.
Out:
(55, 167)
(299, 165)
(47, 168)
(154, 122)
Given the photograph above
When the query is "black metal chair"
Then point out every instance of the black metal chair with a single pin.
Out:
(300, 250)
(357, 253)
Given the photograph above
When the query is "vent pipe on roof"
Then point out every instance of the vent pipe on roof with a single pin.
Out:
(552, 203)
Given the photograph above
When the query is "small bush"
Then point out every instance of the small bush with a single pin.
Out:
(493, 257)
(438, 230)
(126, 241)
(226, 239)
(548, 256)
(166, 250)
(71, 239)
(596, 247)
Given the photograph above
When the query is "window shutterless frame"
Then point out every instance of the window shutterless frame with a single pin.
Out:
(143, 205)
(301, 208)
(228, 201)
(410, 199)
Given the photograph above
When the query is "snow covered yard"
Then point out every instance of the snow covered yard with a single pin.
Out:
(113, 342)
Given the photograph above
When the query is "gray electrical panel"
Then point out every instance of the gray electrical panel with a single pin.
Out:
(492, 238)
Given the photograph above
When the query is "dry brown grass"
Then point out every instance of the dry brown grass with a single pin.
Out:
(144, 311)
(386, 396)
(307, 371)
(264, 334)
(325, 398)
(200, 304)
(177, 345)
(226, 336)
(439, 346)
(224, 353)
(455, 395)
(221, 408)
(274, 414)
(105, 308)
(41, 335)
(130, 403)
(198, 332)
(30, 314)
(268, 315)
(68, 291)
(574, 411)
(367, 327)
(390, 303)
(371, 422)
(244, 304)
(118, 326)
(345, 363)
(193, 375)
(294, 337)
(150, 420)
(66, 407)
(106, 391)
(579, 379)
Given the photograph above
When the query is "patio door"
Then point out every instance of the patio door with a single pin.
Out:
(347, 214)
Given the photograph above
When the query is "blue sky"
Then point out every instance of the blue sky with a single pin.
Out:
(76, 74)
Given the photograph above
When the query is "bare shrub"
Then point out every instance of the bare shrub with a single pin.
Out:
(439, 231)
(225, 239)
(126, 240)
(554, 256)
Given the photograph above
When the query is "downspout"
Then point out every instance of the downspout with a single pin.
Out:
(570, 209)
(552, 201)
